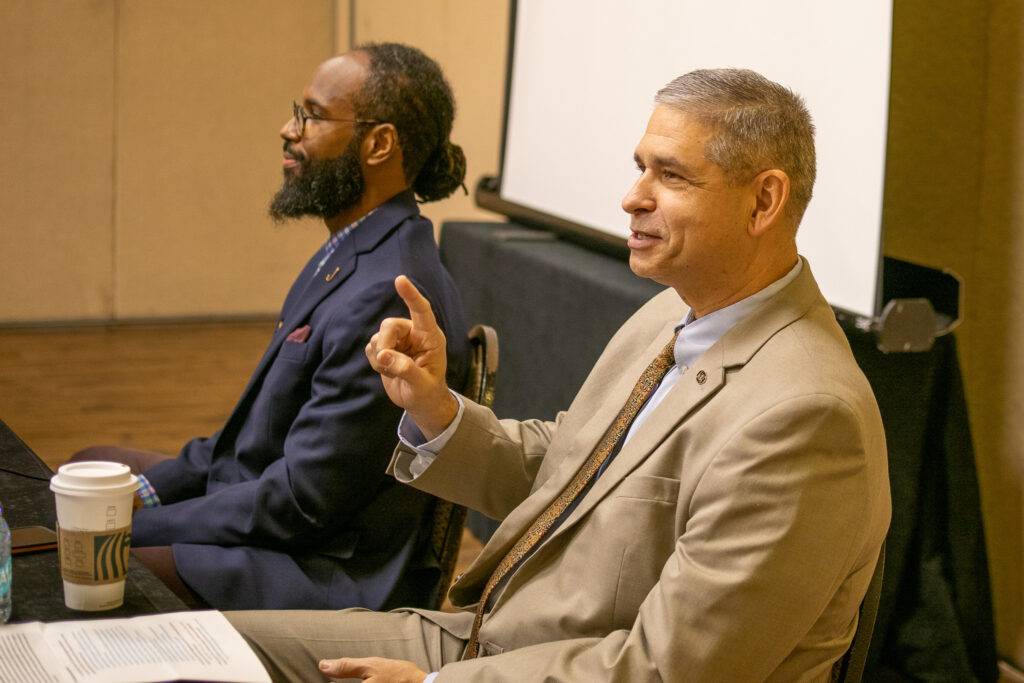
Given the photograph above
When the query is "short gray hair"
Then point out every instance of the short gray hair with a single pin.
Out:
(757, 125)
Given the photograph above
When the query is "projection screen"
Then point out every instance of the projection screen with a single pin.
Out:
(583, 75)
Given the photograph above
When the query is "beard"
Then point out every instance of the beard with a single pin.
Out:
(320, 188)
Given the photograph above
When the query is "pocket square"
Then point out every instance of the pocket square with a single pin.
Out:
(300, 335)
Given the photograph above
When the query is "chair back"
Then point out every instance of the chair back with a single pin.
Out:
(449, 518)
(850, 667)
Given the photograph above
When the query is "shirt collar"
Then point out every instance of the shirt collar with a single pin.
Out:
(697, 335)
(337, 238)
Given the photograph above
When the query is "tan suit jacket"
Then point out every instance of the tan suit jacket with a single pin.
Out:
(731, 539)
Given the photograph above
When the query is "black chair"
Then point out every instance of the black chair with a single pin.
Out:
(850, 668)
(449, 519)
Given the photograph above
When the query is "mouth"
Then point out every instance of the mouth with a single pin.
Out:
(640, 240)
(290, 159)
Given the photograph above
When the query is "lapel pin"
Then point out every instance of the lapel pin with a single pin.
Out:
(331, 276)
(702, 377)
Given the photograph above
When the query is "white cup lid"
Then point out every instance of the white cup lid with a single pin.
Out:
(94, 478)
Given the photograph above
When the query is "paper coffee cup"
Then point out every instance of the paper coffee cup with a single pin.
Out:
(94, 520)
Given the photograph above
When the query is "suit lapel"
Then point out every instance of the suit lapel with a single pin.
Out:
(698, 384)
(281, 331)
(300, 285)
(584, 443)
(685, 397)
(594, 429)
(308, 291)
(342, 263)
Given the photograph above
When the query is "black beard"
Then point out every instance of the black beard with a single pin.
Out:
(321, 188)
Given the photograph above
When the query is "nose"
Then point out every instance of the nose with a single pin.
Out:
(290, 130)
(639, 198)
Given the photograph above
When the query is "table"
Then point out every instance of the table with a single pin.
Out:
(37, 590)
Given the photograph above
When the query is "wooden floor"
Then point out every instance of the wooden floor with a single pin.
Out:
(152, 387)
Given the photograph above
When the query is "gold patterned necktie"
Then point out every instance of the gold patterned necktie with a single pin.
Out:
(645, 386)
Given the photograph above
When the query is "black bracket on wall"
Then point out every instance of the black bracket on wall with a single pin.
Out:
(921, 304)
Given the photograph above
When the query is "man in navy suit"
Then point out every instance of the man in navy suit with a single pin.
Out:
(289, 504)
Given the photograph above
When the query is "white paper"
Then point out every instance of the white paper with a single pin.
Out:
(147, 649)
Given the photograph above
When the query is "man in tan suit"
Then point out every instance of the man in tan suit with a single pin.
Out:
(717, 520)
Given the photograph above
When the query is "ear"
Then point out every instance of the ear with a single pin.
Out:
(380, 144)
(771, 194)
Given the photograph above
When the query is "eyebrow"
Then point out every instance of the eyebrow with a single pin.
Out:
(309, 104)
(667, 162)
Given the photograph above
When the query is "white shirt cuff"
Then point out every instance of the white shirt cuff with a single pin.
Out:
(430, 677)
(411, 437)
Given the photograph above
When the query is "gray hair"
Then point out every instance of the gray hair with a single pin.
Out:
(757, 125)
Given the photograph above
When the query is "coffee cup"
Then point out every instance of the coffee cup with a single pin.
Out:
(94, 520)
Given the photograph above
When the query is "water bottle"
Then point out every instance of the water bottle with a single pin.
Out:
(5, 569)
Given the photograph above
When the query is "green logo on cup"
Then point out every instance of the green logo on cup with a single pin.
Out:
(92, 558)
(111, 556)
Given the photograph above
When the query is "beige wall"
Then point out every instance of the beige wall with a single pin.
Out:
(56, 142)
(202, 91)
(140, 146)
(469, 39)
(954, 200)
(994, 356)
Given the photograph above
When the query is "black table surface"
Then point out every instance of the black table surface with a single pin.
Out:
(37, 590)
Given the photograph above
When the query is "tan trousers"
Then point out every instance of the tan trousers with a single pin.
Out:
(291, 642)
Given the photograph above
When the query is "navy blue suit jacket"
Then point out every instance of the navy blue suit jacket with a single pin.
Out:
(289, 505)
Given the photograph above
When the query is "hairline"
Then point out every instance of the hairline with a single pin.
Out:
(710, 97)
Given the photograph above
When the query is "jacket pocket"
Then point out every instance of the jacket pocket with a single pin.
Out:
(294, 351)
(647, 503)
(647, 487)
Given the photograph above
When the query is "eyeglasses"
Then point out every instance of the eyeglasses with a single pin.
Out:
(301, 116)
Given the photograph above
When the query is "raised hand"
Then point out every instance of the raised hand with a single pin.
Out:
(373, 669)
(409, 354)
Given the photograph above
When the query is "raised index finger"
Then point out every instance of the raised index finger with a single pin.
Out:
(419, 308)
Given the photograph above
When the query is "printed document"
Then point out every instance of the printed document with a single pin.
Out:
(201, 646)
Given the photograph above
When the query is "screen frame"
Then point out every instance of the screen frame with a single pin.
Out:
(489, 191)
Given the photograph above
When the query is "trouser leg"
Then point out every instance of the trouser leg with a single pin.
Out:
(291, 642)
(159, 559)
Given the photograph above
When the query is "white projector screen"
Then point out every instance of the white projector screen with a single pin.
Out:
(583, 75)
